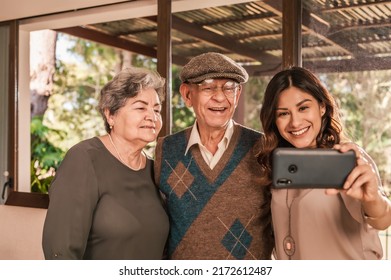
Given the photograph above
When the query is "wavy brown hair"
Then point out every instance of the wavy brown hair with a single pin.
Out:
(331, 128)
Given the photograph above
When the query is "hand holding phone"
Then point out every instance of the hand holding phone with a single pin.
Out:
(311, 168)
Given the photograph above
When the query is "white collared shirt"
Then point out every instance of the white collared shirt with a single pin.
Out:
(209, 158)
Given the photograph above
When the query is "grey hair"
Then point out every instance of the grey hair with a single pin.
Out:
(127, 84)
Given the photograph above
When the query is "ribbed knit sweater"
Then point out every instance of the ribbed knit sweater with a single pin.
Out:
(222, 213)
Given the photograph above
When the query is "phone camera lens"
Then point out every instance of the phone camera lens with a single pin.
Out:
(292, 168)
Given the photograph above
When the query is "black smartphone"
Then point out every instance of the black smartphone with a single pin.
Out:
(311, 168)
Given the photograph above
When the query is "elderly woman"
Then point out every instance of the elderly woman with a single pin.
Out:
(103, 200)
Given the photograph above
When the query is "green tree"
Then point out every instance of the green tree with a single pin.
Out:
(253, 94)
(182, 116)
(45, 157)
(73, 106)
(72, 115)
(365, 102)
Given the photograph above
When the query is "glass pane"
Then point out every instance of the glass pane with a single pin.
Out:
(247, 32)
(347, 43)
(349, 46)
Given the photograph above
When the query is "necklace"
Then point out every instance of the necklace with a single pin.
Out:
(288, 242)
(120, 158)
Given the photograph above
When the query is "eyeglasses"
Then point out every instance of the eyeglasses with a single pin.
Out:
(208, 88)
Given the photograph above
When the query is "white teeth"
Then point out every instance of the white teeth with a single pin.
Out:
(217, 109)
(301, 131)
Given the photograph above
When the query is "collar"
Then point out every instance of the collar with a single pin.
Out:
(196, 139)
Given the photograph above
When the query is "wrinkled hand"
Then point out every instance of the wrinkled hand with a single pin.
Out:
(363, 181)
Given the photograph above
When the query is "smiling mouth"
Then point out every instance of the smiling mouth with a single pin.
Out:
(300, 132)
(148, 127)
(217, 109)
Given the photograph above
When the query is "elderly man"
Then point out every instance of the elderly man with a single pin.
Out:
(209, 174)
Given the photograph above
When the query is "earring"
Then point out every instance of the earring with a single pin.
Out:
(111, 126)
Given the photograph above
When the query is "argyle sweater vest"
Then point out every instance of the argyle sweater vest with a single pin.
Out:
(214, 214)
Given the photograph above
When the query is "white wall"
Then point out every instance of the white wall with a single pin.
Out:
(24, 105)
(17, 9)
(21, 9)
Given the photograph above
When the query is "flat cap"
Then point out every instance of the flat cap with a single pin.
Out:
(212, 65)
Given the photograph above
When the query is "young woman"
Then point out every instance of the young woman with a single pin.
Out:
(103, 201)
(299, 112)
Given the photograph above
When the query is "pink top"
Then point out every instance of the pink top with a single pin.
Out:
(323, 227)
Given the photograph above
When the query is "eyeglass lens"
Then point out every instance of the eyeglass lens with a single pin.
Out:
(210, 87)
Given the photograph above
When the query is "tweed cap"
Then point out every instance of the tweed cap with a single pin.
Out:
(212, 65)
